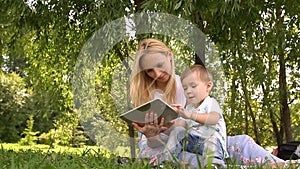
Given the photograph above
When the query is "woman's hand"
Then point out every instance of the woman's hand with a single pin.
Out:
(152, 126)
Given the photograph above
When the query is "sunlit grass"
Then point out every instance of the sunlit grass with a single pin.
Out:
(14, 156)
(120, 151)
(45, 148)
(42, 156)
(35, 158)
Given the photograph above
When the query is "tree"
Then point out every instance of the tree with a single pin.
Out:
(257, 42)
(263, 33)
(13, 98)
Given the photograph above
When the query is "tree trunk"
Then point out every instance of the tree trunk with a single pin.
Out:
(249, 108)
(124, 59)
(267, 105)
(246, 119)
(284, 108)
(138, 8)
(138, 5)
(199, 55)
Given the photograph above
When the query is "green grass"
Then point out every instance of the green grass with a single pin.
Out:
(121, 151)
(40, 156)
(14, 156)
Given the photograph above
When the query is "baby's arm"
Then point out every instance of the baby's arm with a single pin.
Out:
(206, 118)
(203, 118)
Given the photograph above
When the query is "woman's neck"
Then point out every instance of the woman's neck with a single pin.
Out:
(161, 86)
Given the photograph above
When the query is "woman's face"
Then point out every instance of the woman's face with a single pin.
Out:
(157, 66)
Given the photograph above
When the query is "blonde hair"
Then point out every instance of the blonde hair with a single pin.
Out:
(203, 74)
(142, 86)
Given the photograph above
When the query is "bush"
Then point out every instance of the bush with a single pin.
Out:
(30, 136)
(47, 138)
(67, 132)
(13, 111)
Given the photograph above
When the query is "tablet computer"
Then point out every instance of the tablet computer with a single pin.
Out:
(158, 106)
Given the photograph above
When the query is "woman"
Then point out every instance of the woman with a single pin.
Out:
(153, 76)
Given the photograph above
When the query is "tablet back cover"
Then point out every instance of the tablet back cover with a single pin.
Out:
(161, 108)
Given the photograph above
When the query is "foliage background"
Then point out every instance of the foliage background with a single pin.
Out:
(255, 42)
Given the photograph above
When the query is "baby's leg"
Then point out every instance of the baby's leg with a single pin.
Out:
(173, 145)
(214, 152)
(210, 150)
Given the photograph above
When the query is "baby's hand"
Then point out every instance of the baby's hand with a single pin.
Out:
(181, 111)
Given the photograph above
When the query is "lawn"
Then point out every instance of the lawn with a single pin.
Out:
(42, 157)
(14, 156)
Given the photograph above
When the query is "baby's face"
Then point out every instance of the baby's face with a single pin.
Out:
(195, 90)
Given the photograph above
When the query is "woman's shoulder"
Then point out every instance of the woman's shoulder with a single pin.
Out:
(177, 78)
(178, 81)
(180, 98)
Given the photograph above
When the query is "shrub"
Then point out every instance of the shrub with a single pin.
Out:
(30, 136)
(13, 111)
